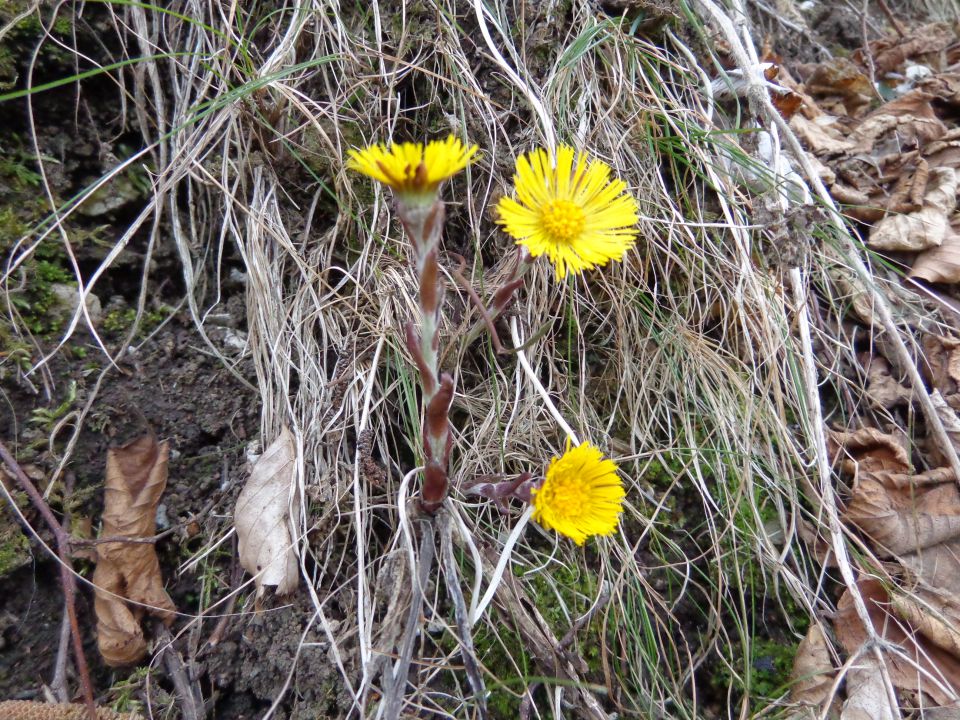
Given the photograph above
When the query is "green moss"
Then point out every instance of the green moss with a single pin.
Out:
(19, 42)
(120, 320)
(14, 545)
(501, 653)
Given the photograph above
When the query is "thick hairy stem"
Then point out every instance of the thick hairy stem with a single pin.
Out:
(424, 225)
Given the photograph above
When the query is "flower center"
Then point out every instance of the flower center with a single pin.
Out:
(563, 220)
(567, 496)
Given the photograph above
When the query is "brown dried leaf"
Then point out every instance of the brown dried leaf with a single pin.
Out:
(942, 356)
(812, 675)
(938, 565)
(822, 136)
(927, 227)
(933, 613)
(136, 477)
(902, 124)
(941, 264)
(906, 520)
(883, 391)
(869, 450)
(890, 53)
(262, 518)
(839, 77)
(866, 696)
(948, 417)
(944, 152)
(926, 661)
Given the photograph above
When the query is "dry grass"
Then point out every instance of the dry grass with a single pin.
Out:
(682, 362)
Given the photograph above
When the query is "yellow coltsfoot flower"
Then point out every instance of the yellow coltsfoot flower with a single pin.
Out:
(581, 496)
(574, 212)
(412, 169)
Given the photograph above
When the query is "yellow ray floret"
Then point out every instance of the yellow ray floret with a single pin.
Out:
(581, 496)
(574, 212)
(411, 168)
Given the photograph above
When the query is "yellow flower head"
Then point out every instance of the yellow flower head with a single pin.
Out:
(575, 213)
(411, 168)
(581, 496)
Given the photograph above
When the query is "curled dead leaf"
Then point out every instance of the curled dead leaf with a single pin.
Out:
(262, 518)
(933, 613)
(889, 54)
(904, 520)
(136, 478)
(905, 123)
(868, 450)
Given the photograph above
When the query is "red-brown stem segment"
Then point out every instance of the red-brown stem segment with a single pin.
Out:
(429, 284)
(435, 485)
(427, 379)
(436, 428)
(67, 579)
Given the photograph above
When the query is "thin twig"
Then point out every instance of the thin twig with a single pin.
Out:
(59, 682)
(481, 308)
(897, 26)
(67, 579)
(189, 694)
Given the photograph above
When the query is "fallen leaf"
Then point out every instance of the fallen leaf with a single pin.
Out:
(902, 124)
(890, 53)
(938, 565)
(866, 696)
(942, 366)
(902, 521)
(933, 613)
(839, 77)
(868, 450)
(941, 264)
(822, 135)
(812, 675)
(944, 152)
(136, 477)
(262, 518)
(925, 667)
(925, 228)
(951, 423)
(882, 390)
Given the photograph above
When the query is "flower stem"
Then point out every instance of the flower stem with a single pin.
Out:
(424, 224)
